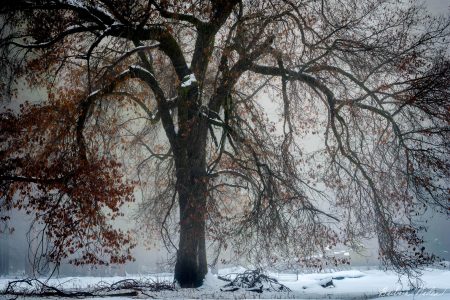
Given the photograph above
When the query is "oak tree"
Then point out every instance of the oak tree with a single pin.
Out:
(281, 128)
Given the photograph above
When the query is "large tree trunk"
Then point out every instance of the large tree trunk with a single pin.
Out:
(191, 268)
(191, 265)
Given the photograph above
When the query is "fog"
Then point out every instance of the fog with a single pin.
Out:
(438, 7)
(153, 257)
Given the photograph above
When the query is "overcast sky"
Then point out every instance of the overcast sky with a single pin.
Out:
(438, 6)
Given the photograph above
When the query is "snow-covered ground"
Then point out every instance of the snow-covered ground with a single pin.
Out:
(350, 284)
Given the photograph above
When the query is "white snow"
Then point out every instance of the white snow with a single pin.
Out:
(94, 93)
(188, 80)
(211, 282)
(349, 284)
(75, 3)
(142, 69)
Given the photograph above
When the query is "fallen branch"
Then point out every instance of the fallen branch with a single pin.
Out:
(254, 281)
(123, 288)
(39, 289)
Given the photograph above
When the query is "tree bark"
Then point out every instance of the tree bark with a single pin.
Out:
(191, 265)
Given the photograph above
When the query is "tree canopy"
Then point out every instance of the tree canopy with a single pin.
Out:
(281, 128)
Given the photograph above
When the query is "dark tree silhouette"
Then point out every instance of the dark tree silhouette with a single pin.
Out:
(164, 97)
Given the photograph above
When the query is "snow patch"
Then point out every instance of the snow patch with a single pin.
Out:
(350, 284)
(75, 3)
(94, 93)
(211, 281)
(188, 80)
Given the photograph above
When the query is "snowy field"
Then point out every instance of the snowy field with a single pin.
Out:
(350, 284)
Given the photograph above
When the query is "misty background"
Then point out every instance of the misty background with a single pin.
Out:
(152, 257)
